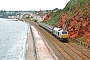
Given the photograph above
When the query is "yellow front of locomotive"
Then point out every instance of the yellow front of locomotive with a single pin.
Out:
(64, 36)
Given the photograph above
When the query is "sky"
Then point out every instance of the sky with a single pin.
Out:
(26, 5)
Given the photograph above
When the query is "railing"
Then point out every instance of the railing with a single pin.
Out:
(86, 45)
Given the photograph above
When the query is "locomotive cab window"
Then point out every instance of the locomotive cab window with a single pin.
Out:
(64, 32)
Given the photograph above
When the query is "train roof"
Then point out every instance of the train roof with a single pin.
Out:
(57, 29)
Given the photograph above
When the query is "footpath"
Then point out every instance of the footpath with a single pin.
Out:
(36, 46)
(29, 46)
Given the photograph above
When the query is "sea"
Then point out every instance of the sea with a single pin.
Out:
(13, 36)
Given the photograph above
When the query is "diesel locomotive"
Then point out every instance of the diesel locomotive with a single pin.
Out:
(60, 33)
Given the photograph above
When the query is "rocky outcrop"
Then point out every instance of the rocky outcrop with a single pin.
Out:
(47, 17)
(79, 28)
(79, 23)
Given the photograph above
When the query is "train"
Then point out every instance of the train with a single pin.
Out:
(61, 34)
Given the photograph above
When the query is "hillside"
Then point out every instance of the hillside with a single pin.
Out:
(52, 17)
(76, 17)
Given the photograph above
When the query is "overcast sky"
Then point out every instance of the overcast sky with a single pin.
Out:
(26, 5)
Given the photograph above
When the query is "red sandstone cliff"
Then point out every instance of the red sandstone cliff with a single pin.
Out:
(79, 23)
(76, 15)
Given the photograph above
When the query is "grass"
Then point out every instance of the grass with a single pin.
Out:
(53, 21)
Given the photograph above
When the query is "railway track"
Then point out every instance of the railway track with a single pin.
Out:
(64, 51)
(78, 52)
(86, 53)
